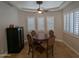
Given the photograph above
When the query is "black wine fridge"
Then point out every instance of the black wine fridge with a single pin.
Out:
(15, 39)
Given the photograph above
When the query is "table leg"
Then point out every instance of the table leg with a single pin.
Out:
(47, 48)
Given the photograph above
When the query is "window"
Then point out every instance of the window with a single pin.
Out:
(76, 22)
(67, 22)
(50, 23)
(40, 23)
(31, 23)
(71, 22)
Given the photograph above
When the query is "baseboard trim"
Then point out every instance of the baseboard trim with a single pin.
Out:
(58, 40)
(4, 54)
(71, 48)
(68, 46)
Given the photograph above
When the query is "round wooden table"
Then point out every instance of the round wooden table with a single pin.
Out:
(41, 37)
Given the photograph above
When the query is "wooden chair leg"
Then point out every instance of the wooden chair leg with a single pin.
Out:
(32, 53)
(29, 51)
(52, 50)
(47, 48)
(47, 52)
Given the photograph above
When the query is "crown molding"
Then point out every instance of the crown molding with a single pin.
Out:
(63, 5)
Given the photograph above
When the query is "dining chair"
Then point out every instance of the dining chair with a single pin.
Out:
(49, 44)
(33, 45)
(51, 40)
(30, 42)
(33, 33)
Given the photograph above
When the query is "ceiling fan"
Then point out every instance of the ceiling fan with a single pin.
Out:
(38, 10)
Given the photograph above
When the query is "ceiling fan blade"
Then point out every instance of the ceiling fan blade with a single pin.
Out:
(27, 9)
(52, 9)
(45, 10)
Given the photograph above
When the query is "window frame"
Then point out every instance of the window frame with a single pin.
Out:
(65, 23)
(45, 23)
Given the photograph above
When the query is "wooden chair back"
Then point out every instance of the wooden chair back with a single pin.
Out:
(33, 33)
(51, 40)
(30, 40)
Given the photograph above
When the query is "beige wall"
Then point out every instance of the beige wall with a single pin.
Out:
(72, 41)
(8, 15)
(22, 21)
(57, 16)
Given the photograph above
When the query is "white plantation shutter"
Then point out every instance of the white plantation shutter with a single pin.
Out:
(67, 22)
(50, 23)
(71, 22)
(41, 24)
(76, 22)
(31, 23)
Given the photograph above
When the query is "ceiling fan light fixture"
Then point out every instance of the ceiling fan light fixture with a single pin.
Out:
(40, 12)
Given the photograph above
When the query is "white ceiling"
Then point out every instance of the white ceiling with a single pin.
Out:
(32, 5)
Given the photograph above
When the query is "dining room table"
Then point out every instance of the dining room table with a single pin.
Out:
(41, 38)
